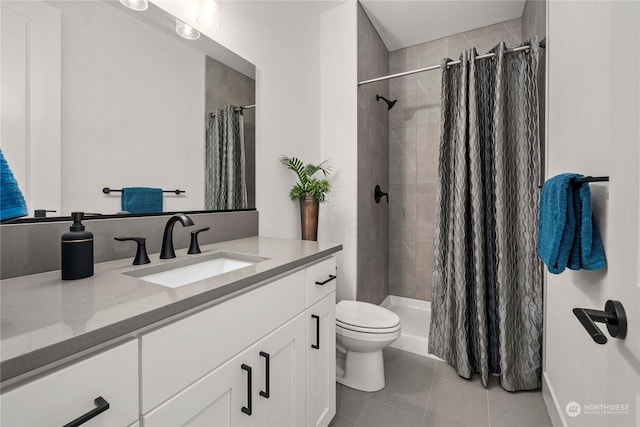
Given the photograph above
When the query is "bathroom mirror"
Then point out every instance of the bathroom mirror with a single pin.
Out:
(97, 95)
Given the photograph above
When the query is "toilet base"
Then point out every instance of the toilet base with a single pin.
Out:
(363, 371)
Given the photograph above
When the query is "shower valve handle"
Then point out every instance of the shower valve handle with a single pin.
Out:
(378, 194)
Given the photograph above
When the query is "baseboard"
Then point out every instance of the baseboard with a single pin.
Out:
(410, 339)
(386, 302)
(406, 302)
(550, 401)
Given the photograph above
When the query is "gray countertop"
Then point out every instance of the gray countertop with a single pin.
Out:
(45, 319)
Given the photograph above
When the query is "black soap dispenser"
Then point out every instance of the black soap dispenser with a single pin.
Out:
(77, 250)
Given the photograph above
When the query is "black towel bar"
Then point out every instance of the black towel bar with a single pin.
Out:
(578, 181)
(107, 190)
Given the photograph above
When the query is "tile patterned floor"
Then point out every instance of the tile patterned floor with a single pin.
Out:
(422, 392)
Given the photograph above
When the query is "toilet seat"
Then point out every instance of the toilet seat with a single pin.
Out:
(364, 317)
(369, 337)
(364, 330)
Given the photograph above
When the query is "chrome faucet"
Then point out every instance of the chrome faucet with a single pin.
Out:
(167, 239)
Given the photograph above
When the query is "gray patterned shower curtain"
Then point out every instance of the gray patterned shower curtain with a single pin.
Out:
(225, 185)
(487, 288)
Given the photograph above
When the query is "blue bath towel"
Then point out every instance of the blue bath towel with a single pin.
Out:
(142, 199)
(12, 204)
(567, 234)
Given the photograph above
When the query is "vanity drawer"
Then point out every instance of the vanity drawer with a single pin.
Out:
(321, 280)
(180, 353)
(65, 395)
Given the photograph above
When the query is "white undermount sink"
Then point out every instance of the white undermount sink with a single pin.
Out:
(184, 272)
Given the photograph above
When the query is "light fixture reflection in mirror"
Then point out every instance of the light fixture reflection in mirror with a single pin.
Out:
(209, 13)
(186, 31)
(139, 5)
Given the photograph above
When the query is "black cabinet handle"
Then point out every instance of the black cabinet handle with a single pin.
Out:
(247, 409)
(266, 393)
(331, 277)
(101, 406)
(317, 344)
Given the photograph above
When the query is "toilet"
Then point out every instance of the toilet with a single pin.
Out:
(363, 330)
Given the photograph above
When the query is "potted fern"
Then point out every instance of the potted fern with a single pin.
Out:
(309, 191)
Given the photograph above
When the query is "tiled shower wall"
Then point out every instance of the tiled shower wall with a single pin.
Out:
(373, 165)
(413, 152)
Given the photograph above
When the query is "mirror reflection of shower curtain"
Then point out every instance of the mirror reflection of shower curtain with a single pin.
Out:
(225, 184)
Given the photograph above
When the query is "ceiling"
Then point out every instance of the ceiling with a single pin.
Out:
(403, 23)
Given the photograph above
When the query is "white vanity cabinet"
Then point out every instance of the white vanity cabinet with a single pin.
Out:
(262, 386)
(86, 386)
(279, 400)
(262, 357)
(321, 343)
(211, 368)
(214, 400)
(181, 353)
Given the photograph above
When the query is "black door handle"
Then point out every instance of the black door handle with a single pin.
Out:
(613, 315)
(265, 393)
(317, 344)
(101, 406)
(247, 409)
(331, 277)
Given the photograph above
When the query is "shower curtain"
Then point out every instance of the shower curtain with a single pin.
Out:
(487, 288)
(225, 186)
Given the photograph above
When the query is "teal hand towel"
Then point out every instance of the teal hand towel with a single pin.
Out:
(567, 234)
(142, 199)
(556, 222)
(12, 203)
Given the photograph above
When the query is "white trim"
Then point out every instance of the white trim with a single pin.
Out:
(406, 302)
(550, 401)
(411, 342)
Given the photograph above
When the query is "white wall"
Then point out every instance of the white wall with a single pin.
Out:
(306, 96)
(283, 40)
(593, 109)
(30, 112)
(126, 121)
(339, 138)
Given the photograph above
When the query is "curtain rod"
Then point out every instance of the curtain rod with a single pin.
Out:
(435, 67)
(248, 107)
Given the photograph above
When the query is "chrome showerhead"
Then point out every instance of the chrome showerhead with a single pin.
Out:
(390, 104)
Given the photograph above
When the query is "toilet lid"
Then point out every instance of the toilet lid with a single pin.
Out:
(365, 315)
